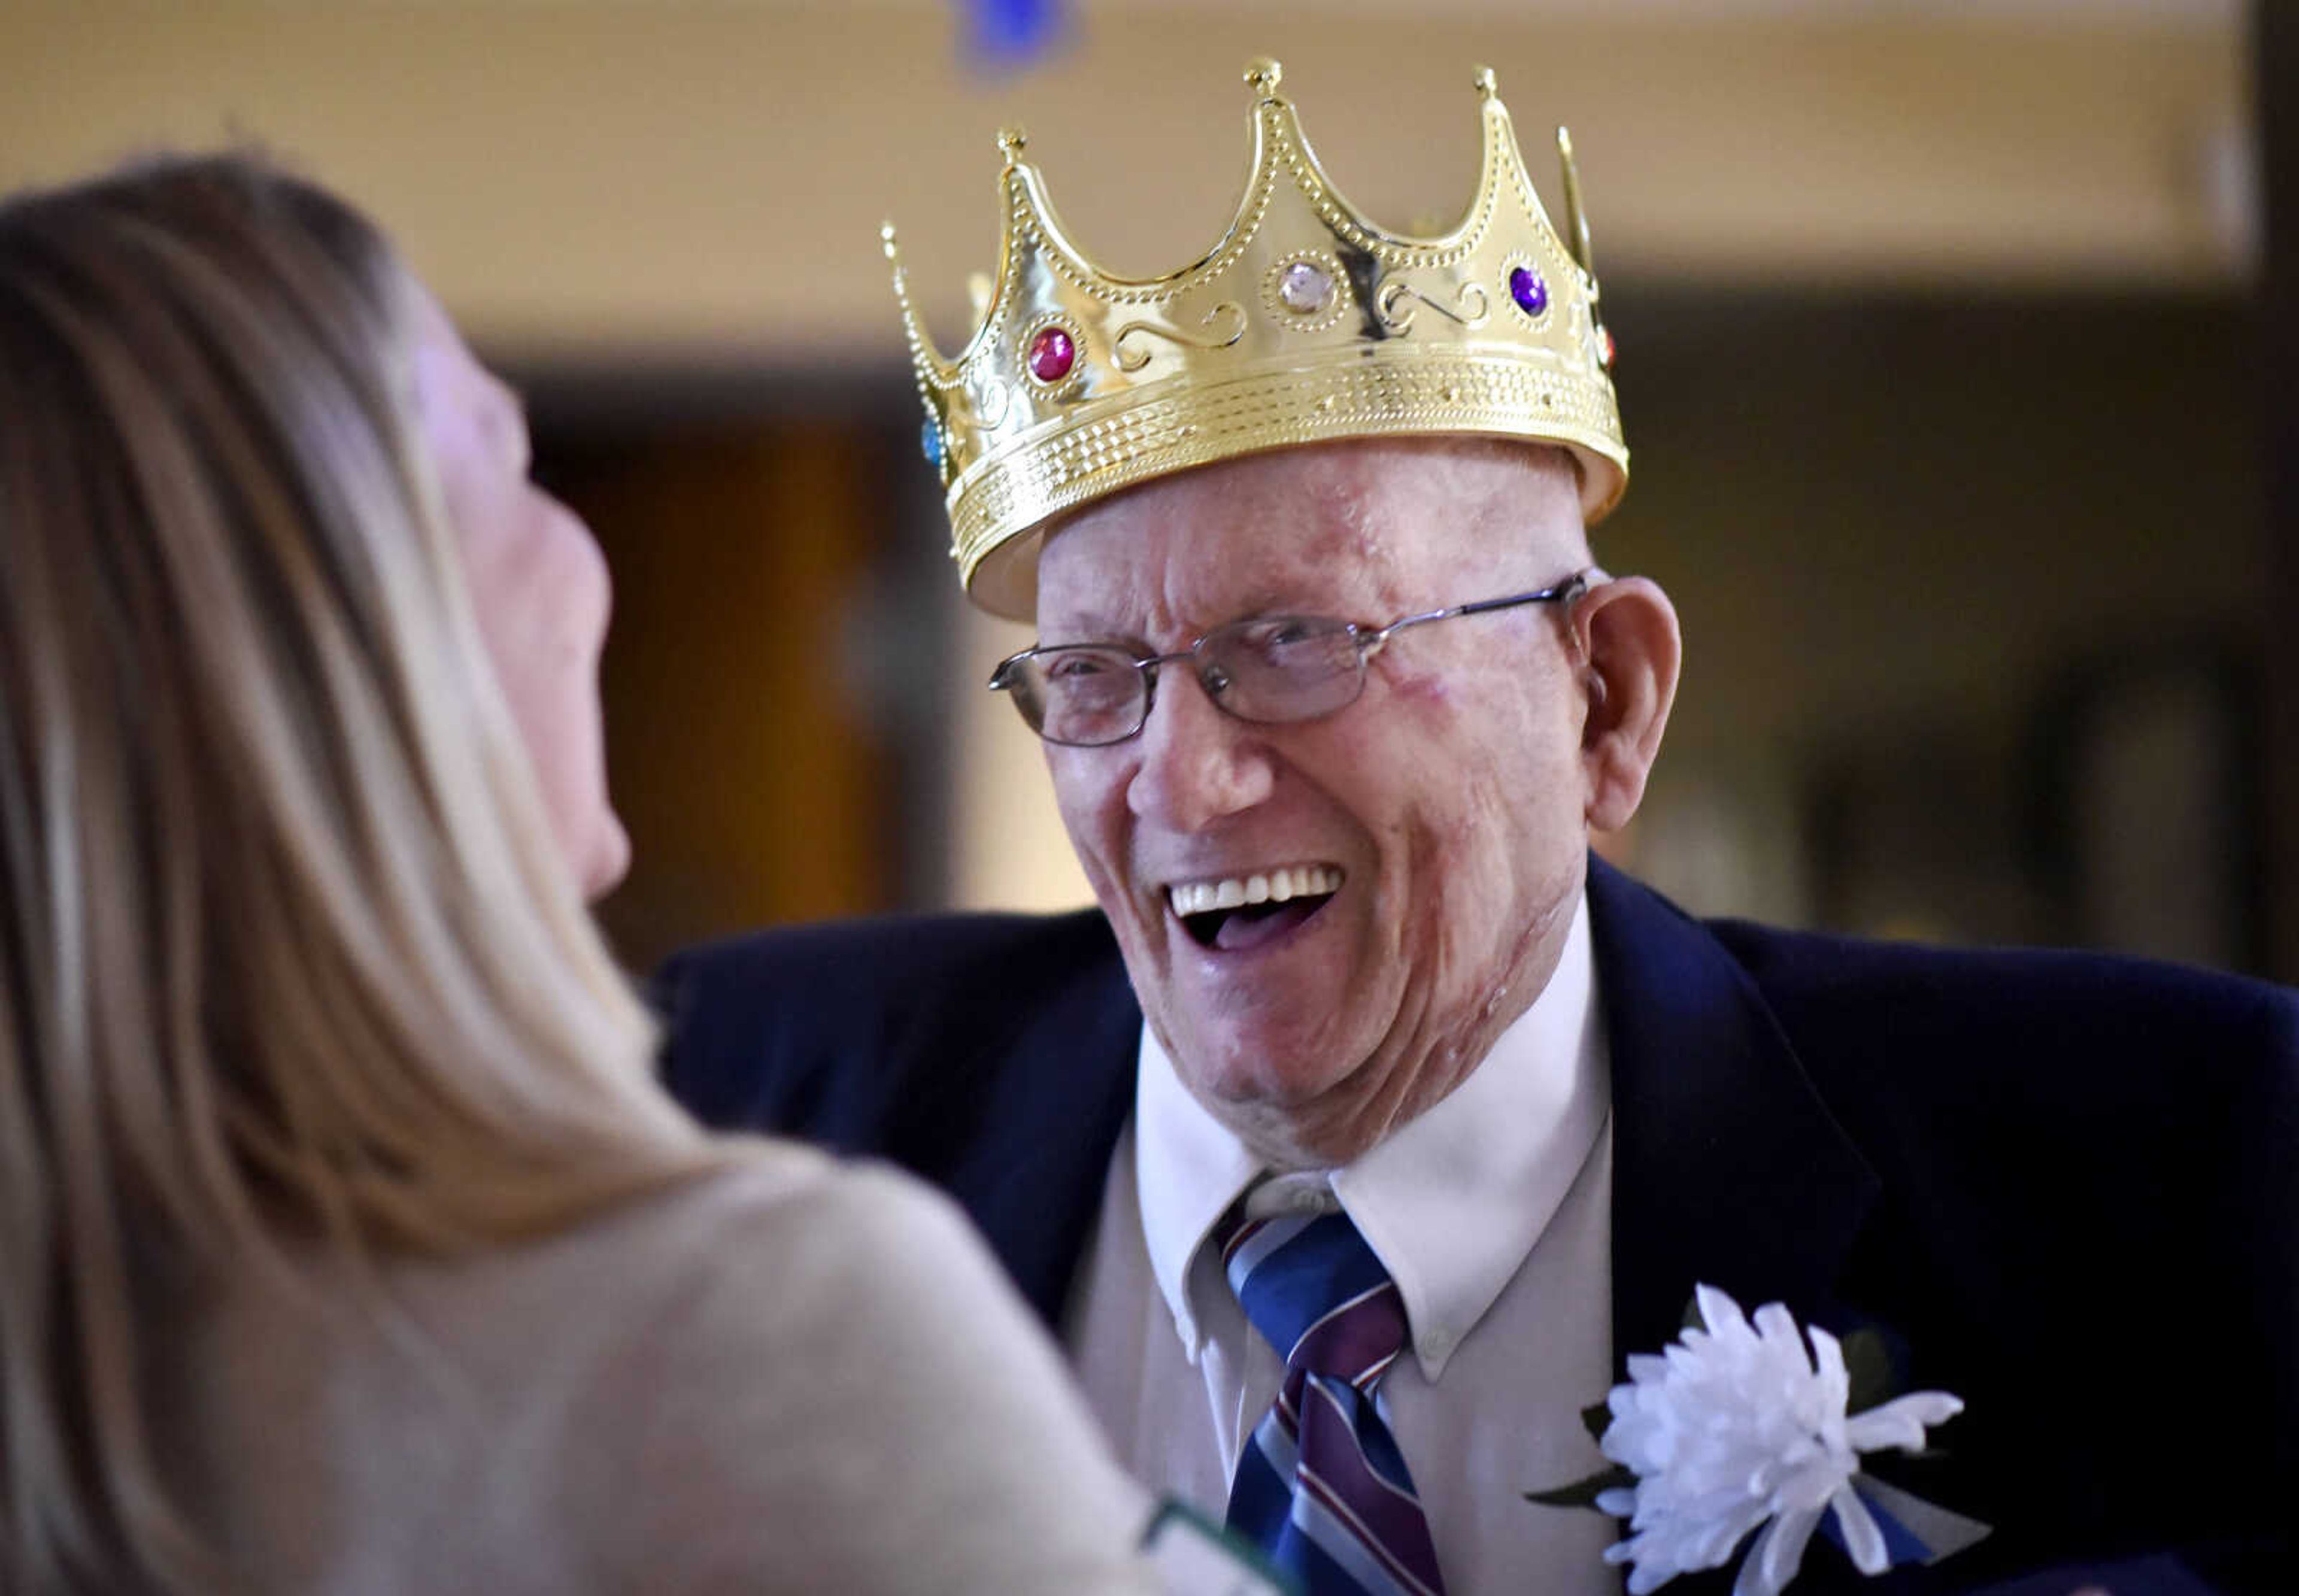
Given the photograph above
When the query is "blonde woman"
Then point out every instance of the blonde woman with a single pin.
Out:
(345, 1244)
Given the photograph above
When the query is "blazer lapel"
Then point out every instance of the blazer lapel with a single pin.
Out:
(1045, 1108)
(1728, 1170)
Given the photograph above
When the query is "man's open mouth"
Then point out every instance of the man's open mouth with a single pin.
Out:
(1244, 911)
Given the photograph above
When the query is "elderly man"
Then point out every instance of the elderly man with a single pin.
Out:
(1371, 1127)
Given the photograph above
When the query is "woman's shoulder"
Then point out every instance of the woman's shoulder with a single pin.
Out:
(767, 1187)
(840, 1266)
(835, 1381)
(790, 1373)
(779, 1217)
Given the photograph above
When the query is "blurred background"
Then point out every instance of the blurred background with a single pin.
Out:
(1956, 350)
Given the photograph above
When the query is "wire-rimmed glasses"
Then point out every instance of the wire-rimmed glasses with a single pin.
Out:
(1265, 668)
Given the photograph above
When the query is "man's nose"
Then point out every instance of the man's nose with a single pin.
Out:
(1197, 765)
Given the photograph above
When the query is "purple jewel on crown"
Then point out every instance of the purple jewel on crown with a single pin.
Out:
(1529, 289)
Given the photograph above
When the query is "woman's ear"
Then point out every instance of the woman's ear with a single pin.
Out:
(1629, 652)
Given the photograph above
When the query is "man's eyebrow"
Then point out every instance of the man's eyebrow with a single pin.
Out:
(1259, 604)
(1091, 629)
(1264, 602)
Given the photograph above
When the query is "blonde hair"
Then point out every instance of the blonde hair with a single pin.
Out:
(286, 949)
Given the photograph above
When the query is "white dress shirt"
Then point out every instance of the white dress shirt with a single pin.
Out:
(1493, 1213)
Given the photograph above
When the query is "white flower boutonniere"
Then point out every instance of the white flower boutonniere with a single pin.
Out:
(1735, 1428)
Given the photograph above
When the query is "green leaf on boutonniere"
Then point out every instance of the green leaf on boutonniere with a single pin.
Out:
(1597, 1418)
(1868, 1366)
(1583, 1493)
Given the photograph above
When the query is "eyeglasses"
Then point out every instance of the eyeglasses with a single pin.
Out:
(1267, 669)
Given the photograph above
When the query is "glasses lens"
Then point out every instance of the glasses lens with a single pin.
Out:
(1083, 695)
(1282, 667)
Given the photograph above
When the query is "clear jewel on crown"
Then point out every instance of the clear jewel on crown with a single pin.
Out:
(1305, 322)
(1305, 286)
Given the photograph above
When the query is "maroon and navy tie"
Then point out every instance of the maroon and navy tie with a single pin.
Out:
(1321, 1486)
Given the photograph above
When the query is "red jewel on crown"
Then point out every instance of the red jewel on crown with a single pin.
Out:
(1052, 355)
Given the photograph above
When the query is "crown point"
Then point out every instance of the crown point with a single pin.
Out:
(1265, 75)
(1488, 86)
(1576, 219)
(1011, 142)
(887, 239)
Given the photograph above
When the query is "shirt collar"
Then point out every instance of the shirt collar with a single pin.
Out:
(1189, 1168)
(1452, 1202)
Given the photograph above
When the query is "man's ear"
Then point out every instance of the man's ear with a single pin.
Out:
(1629, 652)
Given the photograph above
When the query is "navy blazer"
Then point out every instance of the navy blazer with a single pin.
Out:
(2064, 1187)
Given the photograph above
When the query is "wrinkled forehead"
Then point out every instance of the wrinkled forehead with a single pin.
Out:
(1339, 528)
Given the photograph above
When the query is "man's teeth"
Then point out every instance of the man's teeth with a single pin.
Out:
(1235, 892)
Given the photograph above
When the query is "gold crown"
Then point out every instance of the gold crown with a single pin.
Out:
(1306, 323)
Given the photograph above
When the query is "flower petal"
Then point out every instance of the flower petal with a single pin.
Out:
(1755, 1580)
(1864, 1541)
(1828, 1358)
(1643, 1577)
(1717, 1309)
(1712, 1546)
(1900, 1422)
(1774, 1324)
(1645, 1368)
(1783, 1546)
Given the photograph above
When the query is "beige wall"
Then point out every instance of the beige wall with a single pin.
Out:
(713, 175)
(706, 176)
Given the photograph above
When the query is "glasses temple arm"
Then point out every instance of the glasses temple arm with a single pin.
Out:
(1563, 592)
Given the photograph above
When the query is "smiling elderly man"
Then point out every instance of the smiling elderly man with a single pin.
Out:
(1371, 1126)
(1331, 918)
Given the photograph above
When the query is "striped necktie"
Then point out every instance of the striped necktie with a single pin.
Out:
(1321, 1486)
